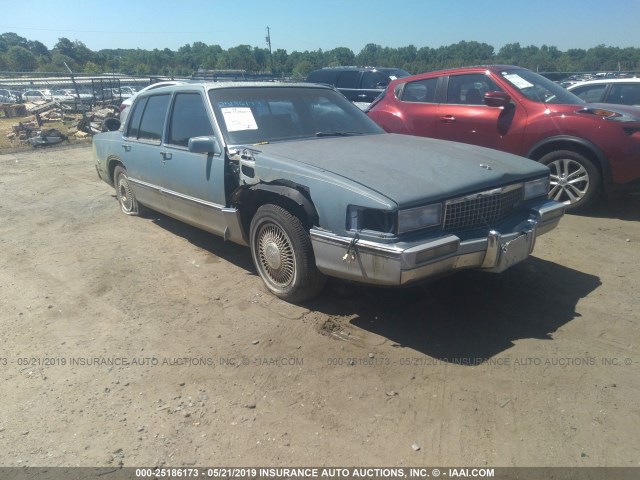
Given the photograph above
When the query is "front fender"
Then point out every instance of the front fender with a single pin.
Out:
(566, 142)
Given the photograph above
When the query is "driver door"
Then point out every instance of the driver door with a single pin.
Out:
(192, 183)
(464, 117)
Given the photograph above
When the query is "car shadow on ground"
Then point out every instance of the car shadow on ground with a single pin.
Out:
(470, 315)
(625, 207)
(215, 245)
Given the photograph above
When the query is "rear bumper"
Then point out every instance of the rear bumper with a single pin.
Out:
(402, 263)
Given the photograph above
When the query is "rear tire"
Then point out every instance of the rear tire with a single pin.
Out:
(283, 255)
(124, 193)
(575, 180)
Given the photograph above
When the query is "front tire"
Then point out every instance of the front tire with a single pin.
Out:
(124, 193)
(575, 180)
(283, 255)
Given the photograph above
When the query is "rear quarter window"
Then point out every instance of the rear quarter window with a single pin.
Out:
(135, 116)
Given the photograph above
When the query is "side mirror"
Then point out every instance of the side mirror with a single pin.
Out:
(497, 99)
(204, 145)
(110, 124)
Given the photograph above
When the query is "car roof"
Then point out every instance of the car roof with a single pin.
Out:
(601, 81)
(469, 69)
(354, 67)
(223, 85)
(452, 71)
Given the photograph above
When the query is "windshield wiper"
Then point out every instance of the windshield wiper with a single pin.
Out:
(337, 134)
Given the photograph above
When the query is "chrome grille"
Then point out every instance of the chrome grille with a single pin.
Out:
(482, 209)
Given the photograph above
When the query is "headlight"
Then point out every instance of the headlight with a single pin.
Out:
(419, 217)
(536, 188)
(361, 218)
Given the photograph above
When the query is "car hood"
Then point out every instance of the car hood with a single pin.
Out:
(406, 169)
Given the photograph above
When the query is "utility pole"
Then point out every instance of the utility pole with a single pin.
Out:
(268, 39)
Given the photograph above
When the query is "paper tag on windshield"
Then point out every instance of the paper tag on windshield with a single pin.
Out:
(518, 81)
(239, 118)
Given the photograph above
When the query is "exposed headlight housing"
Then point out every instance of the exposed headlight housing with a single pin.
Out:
(361, 218)
(420, 217)
(536, 188)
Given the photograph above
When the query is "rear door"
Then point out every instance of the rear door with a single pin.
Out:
(348, 83)
(418, 104)
(142, 142)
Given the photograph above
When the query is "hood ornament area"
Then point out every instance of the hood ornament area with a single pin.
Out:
(486, 167)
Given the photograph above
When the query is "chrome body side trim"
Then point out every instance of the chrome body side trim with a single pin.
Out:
(214, 218)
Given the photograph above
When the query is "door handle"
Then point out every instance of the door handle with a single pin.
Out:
(448, 119)
(166, 156)
(127, 148)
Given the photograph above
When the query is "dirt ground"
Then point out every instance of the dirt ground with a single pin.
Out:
(145, 342)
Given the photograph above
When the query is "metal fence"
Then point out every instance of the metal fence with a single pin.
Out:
(76, 92)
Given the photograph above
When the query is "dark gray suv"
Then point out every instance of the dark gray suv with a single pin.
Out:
(358, 84)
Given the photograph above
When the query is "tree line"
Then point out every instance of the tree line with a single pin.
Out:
(18, 54)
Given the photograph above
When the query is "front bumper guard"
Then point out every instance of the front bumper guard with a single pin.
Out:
(406, 262)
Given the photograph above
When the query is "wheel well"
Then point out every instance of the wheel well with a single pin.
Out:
(252, 199)
(112, 167)
(583, 150)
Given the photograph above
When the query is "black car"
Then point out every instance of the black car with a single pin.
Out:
(358, 84)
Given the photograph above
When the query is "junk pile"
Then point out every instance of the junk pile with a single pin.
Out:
(49, 136)
(84, 125)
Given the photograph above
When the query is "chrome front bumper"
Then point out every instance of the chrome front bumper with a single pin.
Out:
(405, 262)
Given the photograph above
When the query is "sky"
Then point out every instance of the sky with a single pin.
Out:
(299, 25)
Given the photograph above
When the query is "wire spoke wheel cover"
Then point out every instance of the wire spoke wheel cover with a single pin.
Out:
(283, 255)
(124, 193)
(275, 253)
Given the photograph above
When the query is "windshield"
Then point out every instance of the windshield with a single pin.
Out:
(254, 115)
(538, 88)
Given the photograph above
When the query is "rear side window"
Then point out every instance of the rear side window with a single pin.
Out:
(624, 93)
(152, 122)
(374, 80)
(188, 119)
(349, 79)
(422, 91)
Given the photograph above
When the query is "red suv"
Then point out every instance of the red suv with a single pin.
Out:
(588, 147)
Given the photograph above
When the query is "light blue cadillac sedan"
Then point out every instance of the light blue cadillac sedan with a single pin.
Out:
(315, 188)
